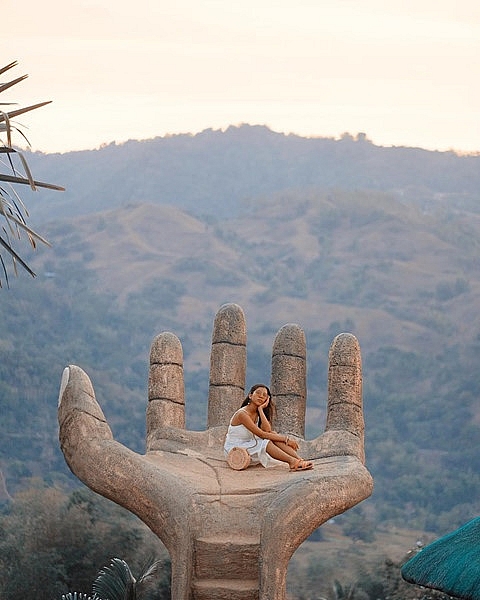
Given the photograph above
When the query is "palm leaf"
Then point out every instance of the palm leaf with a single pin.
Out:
(23, 180)
(5, 117)
(26, 168)
(5, 272)
(115, 582)
(7, 67)
(11, 206)
(9, 84)
(21, 111)
(30, 232)
(16, 257)
(149, 570)
(7, 199)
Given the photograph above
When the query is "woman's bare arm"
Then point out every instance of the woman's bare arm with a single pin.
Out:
(243, 418)
(264, 422)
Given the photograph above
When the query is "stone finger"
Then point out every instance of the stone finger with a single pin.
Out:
(228, 361)
(289, 380)
(345, 401)
(166, 388)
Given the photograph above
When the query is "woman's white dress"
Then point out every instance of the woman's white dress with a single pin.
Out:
(240, 436)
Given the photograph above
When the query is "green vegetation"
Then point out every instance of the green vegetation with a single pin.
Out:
(117, 582)
(337, 567)
(53, 543)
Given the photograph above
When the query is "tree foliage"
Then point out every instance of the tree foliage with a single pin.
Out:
(363, 578)
(52, 543)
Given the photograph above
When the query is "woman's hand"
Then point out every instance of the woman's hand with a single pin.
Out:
(265, 404)
(288, 441)
(292, 443)
(265, 424)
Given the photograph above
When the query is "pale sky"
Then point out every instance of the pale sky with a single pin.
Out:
(405, 72)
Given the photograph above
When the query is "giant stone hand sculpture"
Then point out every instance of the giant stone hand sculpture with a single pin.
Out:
(230, 534)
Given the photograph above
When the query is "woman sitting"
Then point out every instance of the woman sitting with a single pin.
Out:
(250, 428)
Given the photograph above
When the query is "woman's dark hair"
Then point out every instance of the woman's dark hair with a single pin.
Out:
(270, 410)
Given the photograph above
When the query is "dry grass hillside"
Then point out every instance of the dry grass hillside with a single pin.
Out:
(394, 275)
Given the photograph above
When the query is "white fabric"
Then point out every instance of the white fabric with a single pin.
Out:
(240, 436)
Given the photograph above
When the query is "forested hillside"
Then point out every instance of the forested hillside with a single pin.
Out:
(393, 260)
(213, 172)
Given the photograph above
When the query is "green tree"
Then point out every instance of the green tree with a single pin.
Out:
(51, 542)
(358, 527)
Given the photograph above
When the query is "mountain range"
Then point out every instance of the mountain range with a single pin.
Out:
(213, 172)
(336, 235)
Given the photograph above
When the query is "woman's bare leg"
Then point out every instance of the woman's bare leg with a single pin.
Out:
(281, 451)
(287, 449)
(276, 452)
(279, 454)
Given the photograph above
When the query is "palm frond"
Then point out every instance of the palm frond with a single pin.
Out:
(7, 212)
(16, 258)
(76, 596)
(7, 67)
(21, 111)
(11, 206)
(12, 200)
(8, 128)
(26, 168)
(5, 272)
(9, 84)
(149, 570)
(30, 233)
(23, 180)
(115, 582)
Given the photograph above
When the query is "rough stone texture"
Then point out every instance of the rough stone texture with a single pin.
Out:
(228, 364)
(166, 392)
(230, 534)
(289, 380)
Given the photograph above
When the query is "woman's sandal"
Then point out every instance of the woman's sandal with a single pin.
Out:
(301, 465)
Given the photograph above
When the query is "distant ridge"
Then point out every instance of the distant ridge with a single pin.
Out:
(214, 172)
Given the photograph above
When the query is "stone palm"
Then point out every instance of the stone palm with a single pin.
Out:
(230, 534)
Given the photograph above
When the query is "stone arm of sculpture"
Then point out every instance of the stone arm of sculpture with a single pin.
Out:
(182, 487)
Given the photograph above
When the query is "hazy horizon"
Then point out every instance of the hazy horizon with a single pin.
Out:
(404, 75)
